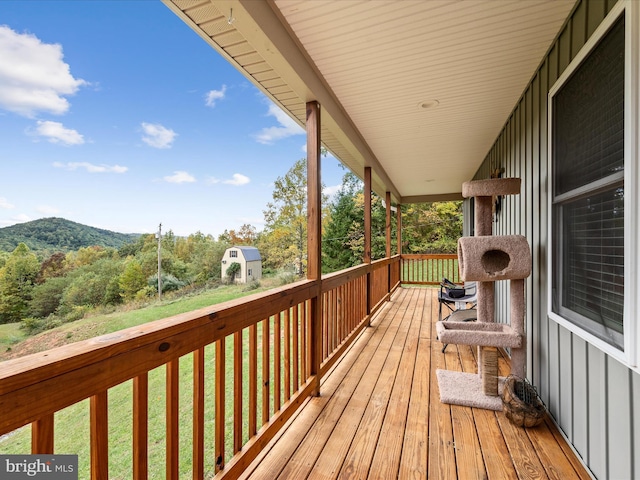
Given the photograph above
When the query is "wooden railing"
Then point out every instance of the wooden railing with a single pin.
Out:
(258, 352)
(429, 269)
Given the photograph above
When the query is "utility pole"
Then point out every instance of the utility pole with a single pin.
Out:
(159, 261)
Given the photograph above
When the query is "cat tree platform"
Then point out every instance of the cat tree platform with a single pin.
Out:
(476, 333)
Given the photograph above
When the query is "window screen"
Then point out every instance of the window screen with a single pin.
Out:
(589, 117)
(588, 181)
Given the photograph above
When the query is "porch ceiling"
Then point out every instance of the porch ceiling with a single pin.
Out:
(373, 64)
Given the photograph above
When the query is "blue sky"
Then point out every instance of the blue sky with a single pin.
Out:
(115, 114)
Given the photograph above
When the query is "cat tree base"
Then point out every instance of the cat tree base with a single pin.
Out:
(460, 388)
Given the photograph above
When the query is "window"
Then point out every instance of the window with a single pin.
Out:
(249, 272)
(233, 254)
(592, 186)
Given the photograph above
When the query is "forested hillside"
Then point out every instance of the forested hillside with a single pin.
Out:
(59, 235)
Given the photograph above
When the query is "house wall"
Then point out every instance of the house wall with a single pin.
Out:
(594, 399)
(256, 271)
(227, 260)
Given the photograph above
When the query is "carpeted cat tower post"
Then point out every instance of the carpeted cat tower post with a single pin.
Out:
(486, 259)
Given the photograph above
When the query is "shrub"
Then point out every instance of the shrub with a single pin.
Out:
(252, 285)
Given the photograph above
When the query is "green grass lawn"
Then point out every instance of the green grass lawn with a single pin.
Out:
(10, 334)
(72, 423)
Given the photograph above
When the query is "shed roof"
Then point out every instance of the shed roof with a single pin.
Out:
(250, 254)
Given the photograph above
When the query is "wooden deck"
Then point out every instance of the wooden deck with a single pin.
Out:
(379, 415)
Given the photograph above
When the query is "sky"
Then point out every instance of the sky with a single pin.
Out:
(115, 114)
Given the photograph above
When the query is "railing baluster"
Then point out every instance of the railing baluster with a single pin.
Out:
(42, 435)
(334, 314)
(287, 355)
(220, 398)
(277, 363)
(237, 391)
(99, 432)
(173, 393)
(198, 413)
(253, 380)
(326, 327)
(141, 427)
(296, 343)
(265, 370)
(304, 351)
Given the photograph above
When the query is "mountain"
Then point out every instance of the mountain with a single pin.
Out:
(60, 235)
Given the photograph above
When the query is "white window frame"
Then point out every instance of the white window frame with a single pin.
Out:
(630, 354)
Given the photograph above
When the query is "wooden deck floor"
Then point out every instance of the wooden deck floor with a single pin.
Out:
(379, 415)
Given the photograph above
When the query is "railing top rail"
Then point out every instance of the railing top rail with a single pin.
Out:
(430, 255)
(227, 318)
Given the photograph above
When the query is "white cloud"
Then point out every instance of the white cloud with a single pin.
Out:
(157, 136)
(180, 177)
(4, 203)
(90, 167)
(237, 180)
(47, 210)
(331, 191)
(214, 95)
(287, 127)
(55, 132)
(33, 76)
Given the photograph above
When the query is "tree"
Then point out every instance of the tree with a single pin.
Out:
(54, 266)
(46, 297)
(339, 231)
(132, 280)
(283, 244)
(17, 279)
(432, 227)
(233, 270)
(378, 229)
(245, 236)
(93, 285)
(202, 256)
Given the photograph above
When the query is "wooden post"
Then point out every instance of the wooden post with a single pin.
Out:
(367, 235)
(141, 427)
(367, 216)
(388, 223)
(172, 419)
(387, 198)
(198, 413)
(314, 237)
(99, 435)
(399, 228)
(399, 239)
(42, 435)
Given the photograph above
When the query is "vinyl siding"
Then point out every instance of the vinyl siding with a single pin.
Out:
(594, 399)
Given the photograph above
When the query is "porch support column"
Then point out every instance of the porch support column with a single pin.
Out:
(314, 237)
(388, 223)
(367, 235)
(399, 239)
(387, 199)
(399, 228)
(367, 215)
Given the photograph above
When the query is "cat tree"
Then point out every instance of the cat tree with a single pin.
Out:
(486, 259)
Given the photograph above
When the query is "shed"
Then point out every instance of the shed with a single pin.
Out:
(250, 263)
